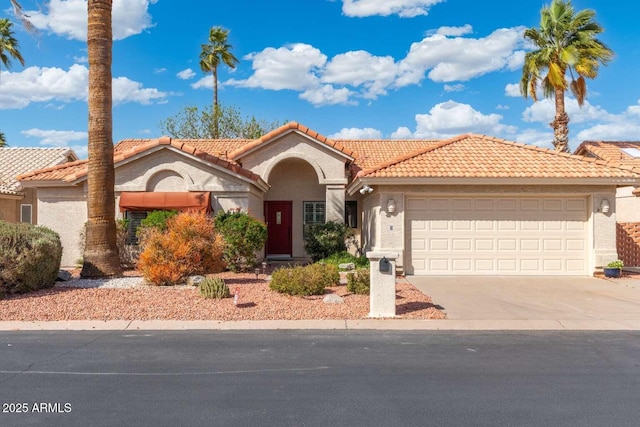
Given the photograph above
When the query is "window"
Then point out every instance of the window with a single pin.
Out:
(351, 213)
(314, 213)
(25, 214)
(135, 218)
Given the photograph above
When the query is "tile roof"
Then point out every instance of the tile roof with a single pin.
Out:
(480, 156)
(610, 151)
(284, 129)
(369, 153)
(72, 171)
(216, 147)
(16, 161)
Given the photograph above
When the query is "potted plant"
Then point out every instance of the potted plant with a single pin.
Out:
(613, 269)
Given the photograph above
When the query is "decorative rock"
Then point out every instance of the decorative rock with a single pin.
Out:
(63, 276)
(347, 266)
(333, 299)
(195, 280)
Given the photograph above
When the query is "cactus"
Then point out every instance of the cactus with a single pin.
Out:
(214, 287)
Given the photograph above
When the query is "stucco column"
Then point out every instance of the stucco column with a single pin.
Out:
(382, 295)
(335, 202)
(604, 229)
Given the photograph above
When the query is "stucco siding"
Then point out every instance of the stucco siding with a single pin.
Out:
(627, 205)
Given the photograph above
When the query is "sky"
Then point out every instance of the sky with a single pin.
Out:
(381, 69)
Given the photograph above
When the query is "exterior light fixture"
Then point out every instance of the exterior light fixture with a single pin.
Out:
(604, 206)
(366, 189)
(391, 206)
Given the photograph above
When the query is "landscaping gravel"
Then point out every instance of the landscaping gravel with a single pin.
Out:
(128, 298)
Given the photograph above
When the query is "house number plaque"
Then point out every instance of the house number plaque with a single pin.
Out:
(278, 217)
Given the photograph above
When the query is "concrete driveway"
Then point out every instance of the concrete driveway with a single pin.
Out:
(574, 302)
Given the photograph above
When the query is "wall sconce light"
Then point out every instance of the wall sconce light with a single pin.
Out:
(604, 206)
(391, 206)
(366, 189)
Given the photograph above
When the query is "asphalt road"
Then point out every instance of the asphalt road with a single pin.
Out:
(319, 378)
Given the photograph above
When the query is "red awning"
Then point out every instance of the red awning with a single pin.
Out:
(179, 201)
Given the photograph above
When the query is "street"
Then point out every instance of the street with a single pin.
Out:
(319, 378)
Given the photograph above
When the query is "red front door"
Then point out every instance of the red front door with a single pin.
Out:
(278, 218)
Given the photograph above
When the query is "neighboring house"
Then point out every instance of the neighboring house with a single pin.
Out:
(18, 204)
(625, 153)
(470, 205)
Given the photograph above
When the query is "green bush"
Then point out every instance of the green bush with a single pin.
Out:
(345, 258)
(214, 287)
(29, 257)
(616, 264)
(323, 240)
(358, 282)
(303, 281)
(243, 236)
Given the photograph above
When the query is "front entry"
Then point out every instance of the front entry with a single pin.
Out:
(278, 218)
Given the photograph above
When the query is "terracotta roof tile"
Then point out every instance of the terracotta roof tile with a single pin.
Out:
(610, 151)
(480, 156)
(16, 161)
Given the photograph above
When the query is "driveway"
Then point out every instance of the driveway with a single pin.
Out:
(574, 301)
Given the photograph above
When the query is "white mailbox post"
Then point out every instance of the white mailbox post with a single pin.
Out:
(382, 297)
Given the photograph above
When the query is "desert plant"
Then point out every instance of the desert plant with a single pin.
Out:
(616, 264)
(214, 287)
(243, 236)
(323, 240)
(303, 281)
(189, 246)
(359, 281)
(29, 257)
(157, 219)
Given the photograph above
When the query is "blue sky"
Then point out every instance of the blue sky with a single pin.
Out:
(345, 68)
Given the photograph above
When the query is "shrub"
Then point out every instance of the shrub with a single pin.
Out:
(303, 281)
(359, 282)
(158, 219)
(190, 245)
(323, 240)
(345, 258)
(616, 264)
(243, 236)
(29, 257)
(214, 287)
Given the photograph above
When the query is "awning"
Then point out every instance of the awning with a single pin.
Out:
(179, 201)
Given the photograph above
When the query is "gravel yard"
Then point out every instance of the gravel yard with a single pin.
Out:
(128, 299)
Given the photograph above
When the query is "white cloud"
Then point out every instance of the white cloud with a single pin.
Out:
(60, 138)
(454, 88)
(451, 118)
(35, 84)
(624, 126)
(356, 68)
(327, 95)
(455, 31)
(536, 137)
(357, 133)
(186, 74)
(68, 18)
(512, 90)
(544, 111)
(402, 133)
(402, 8)
(159, 70)
(459, 58)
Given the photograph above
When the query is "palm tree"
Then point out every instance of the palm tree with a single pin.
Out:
(216, 51)
(8, 44)
(17, 10)
(566, 43)
(101, 250)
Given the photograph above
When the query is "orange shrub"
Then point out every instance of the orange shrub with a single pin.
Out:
(190, 245)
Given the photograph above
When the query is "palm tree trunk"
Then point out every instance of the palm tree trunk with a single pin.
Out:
(216, 112)
(560, 124)
(101, 250)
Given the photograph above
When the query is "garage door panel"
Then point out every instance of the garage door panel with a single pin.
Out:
(494, 235)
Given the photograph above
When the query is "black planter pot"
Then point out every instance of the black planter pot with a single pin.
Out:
(612, 272)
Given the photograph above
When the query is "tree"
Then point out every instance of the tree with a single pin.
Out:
(213, 53)
(101, 258)
(193, 123)
(8, 44)
(565, 43)
(3, 140)
(17, 10)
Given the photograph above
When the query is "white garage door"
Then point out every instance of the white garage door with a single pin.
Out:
(502, 236)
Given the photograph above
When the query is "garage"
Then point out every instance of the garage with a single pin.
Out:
(497, 235)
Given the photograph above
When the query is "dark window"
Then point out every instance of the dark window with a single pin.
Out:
(351, 213)
(25, 214)
(135, 218)
(314, 213)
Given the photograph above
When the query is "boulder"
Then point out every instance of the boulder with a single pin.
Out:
(63, 276)
(333, 299)
(195, 280)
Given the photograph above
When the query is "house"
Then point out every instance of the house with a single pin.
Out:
(625, 153)
(18, 204)
(469, 205)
